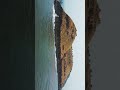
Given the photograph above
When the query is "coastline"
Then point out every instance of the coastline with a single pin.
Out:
(58, 22)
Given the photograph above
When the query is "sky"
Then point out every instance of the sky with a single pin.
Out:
(76, 10)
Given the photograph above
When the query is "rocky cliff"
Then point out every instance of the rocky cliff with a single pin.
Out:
(92, 20)
(65, 33)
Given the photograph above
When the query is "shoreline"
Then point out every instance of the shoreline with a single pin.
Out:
(58, 22)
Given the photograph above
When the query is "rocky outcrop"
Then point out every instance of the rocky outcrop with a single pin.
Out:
(92, 20)
(67, 63)
(65, 33)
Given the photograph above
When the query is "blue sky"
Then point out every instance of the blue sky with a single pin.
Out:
(76, 10)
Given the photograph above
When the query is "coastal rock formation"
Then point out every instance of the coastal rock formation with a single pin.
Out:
(67, 63)
(65, 33)
(68, 33)
(92, 20)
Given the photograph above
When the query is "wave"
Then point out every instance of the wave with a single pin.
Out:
(54, 15)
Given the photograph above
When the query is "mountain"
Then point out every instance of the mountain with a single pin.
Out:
(65, 33)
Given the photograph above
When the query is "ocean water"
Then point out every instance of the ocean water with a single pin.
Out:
(45, 61)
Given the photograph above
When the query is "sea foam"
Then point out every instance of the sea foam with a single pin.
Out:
(54, 15)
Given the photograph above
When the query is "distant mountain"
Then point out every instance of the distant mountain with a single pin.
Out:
(65, 33)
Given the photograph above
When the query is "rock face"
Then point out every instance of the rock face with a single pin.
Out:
(68, 33)
(92, 20)
(65, 33)
(67, 63)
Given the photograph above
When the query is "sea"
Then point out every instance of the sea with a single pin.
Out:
(46, 77)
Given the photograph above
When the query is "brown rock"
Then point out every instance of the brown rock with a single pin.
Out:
(65, 33)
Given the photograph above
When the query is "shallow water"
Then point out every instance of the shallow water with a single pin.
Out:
(45, 69)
